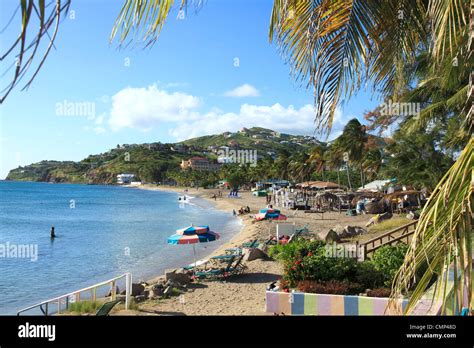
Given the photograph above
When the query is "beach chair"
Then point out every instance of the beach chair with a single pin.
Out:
(105, 309)
(252, 244)
(302, 230)
(232, 268)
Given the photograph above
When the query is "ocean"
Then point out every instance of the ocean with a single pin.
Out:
(102, 232)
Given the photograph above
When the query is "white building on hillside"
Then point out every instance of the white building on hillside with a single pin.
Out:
(125, 178)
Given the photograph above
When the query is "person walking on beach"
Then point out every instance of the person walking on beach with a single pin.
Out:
(53, 235)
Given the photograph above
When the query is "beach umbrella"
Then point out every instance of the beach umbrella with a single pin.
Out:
(192, 235)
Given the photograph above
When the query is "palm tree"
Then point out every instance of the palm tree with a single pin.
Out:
(335, 47)
(372, 162)
(317, 158)
(353, 140)
(335, 159)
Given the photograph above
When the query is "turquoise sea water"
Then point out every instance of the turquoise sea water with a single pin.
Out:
(102, 232)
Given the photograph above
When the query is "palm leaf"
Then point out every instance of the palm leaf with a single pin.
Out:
(442, 238)
(40, 17)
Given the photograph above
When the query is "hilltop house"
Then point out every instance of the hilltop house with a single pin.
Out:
(125, 178)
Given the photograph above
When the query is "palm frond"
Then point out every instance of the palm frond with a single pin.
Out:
(449, 23)
(442, 238)
(335, 46)
(38, 17)
(144, 19)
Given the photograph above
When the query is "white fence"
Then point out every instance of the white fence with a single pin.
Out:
(62, 303)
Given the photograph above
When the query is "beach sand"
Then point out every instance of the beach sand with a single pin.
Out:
(243, 294)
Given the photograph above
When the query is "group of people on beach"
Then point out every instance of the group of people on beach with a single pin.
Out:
(218, 194)
(242, 211)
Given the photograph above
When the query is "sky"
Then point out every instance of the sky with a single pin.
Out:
(213, 71)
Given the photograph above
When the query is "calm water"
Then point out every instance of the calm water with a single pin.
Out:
(93, 237)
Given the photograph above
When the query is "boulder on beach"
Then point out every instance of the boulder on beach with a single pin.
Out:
(329, 236)
(137, 289)
(177, 276)
(339, 232)
(254, 254)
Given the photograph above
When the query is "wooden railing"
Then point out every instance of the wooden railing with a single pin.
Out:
(75, 296)
(389, 238)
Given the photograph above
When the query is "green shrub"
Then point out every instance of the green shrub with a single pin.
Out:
(368, 275)
(296, 249)
(388, 259)
(83, 307)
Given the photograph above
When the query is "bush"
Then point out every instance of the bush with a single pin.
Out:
(83, 307)
(388, 259)
(296, 250)
(304, 261)
(379, 292)
(334, 287)
(367, 275)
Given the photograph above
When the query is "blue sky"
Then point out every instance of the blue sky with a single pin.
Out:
(186, 85)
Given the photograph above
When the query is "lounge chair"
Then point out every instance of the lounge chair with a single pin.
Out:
(252, 244)
(302, 230)
(232, 268)
(105, 309)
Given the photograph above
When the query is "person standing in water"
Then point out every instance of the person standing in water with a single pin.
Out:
(53, 235)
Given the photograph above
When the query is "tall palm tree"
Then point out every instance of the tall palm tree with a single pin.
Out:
(317, 158)
(335, 47)
(372, 162)
(353, 141)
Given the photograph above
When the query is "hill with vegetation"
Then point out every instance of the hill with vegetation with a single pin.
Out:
(153, 162)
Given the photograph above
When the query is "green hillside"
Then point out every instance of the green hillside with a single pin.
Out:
(150, 162)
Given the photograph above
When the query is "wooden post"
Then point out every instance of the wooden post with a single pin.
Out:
(113, 291)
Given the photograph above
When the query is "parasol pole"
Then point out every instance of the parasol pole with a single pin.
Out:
(194, 252)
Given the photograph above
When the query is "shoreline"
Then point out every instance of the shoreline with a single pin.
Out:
(221, 204)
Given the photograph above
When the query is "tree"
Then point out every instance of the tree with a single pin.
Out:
(317, 158)
(335, 47)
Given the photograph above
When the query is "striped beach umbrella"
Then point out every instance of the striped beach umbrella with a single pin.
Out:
(192, 235)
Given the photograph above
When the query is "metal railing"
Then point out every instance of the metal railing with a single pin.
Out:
(75, 296)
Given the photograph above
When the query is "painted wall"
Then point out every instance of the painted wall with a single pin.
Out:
(299, 303)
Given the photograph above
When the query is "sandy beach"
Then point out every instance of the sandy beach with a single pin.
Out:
(243, 294)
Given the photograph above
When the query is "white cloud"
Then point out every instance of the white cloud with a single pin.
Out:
(99, 130)
(146, 108)
(245, 90)
(143, 108)
(285, 119)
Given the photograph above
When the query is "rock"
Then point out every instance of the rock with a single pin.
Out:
(329, 236)
(168, 291)
(155, 291)
(137, 289)
(351, 231)
(178, 276)
(139, 298)
(254, 254)
(146, 293)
